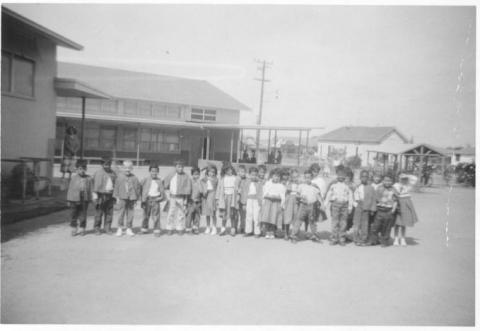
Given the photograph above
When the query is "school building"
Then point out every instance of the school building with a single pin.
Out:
(146, 117)
(29, 68)
(357, 141)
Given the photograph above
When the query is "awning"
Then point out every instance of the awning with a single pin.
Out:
(193, 125)
(411, 149)
(66, 87)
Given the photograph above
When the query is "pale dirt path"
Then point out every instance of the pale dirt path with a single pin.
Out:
(49, 277)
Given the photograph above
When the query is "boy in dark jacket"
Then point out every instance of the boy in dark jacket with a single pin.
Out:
(78, 197)
(103, 183)
(127, 192)
(153, 193)
(194, 207)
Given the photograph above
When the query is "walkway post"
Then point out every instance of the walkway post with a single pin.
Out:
(82, 129)
(299, 146)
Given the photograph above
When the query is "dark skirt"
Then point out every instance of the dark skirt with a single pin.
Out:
(406, 215)
(291, 208)
(271, 212)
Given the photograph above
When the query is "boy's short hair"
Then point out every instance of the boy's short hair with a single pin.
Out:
(71, 130)
(241, 166)
(212, 167)
(274, 172)
(128, 163)
(364, 173)
(252, 169)
(178, 162)
(340, 171)
(107, 161)
(315, 167)
(262, 167)
(153, 166)
(388, 175)
(81, 164)
(194, 170)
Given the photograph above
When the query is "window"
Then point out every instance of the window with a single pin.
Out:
(159, 110)
(107, 138)
(144, 109)
(17, 75)
(173, 112)
(154, 140)
(129, 139)
(130, 108)
(109, 106)
(92, 134)
(203, 115)
(92, 105)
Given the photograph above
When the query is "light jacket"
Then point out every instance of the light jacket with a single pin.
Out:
(74, 188)
(221, 194)
(100, 179)
(369, 201)
(245, 186)
(184, 183)
(145, 186)
(120, 189)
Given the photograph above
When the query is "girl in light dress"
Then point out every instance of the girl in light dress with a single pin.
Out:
(273, 204)
(209, 206)
(406, 214)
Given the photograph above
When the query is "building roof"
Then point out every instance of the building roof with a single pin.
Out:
(123, 84)
(74, 88)
(412, 149)
(465, 151)
(361, 134)
(39, 29)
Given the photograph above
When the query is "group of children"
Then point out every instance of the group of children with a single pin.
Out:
(251, 204)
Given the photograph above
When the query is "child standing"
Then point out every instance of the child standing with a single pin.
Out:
(194, 208)
(251, 197)
(127, 192)
(103, 183)
(365, 206)
(273, 203)
(309, 196)
(376, 180)
(242, 175)
(291, 201)
(153, 193)
(340, 198)
(384, 220)
(227, 199)
(406, 215)
(79, 195)
(180, 187)
(209, 206)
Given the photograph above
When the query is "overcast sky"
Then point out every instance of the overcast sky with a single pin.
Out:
(409, 67)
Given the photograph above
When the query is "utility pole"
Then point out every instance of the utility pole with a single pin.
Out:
(264, 66)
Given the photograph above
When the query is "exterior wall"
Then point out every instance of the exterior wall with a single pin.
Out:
(28, 124)
(141, 109)
(361, 150)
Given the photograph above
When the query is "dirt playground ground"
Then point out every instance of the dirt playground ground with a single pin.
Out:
(50, 277)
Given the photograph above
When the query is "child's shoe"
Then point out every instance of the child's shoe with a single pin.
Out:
(82, 232)
(207, 230)
(156, 232)
(248, 234)
(129, 232)
(396, 242)
(195, 230)
(119, 232)
(143, 230)
(232, 232)
(222, 231)
(170, 232)
(403, 242)
(98, 231)
(333, 242)
(214, 231)
(74, 232)
(188, 231)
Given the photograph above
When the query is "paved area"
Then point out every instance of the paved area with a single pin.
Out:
(49, 277)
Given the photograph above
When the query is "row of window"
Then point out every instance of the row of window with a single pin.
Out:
(18, 74)
(204, 115)
(125, 139)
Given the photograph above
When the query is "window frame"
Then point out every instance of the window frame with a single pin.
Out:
(205, 116)
(11, 92)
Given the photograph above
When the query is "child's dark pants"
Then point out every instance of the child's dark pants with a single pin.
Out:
(104, 209)
(126, 211)
(306, 213)
(194, 211)
(382, 223)
(79, 214)
(242, 215)
(339, 221)
(151, 208)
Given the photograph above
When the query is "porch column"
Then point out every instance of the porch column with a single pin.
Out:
(299, 143)
(268, 146)
(231, 146)
(239, 144)
(82, 129)
(208, 146)
(306, 143)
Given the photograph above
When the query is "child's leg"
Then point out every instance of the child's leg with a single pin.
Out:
(343, 223)
(363, 228)
(74, 214)
(396, 230)
(256, 217)
(171, 214)
(121, 216)
(83, 214)
(130, 211)
(147, 210)
(335, 223)
(190, 215)
(208, 221)
(156, 213)
(99, 212)
(403, 231)
(249, 216)
(109, 214)
(180, 217)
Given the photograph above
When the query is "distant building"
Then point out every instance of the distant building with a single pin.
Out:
(463, 155)
(159, 118)
(357, 140)
(29, 67)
